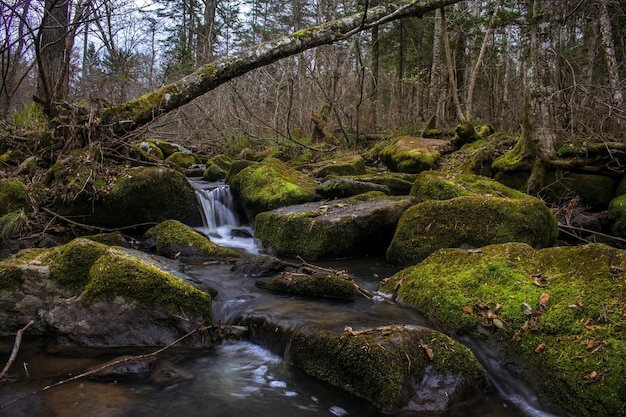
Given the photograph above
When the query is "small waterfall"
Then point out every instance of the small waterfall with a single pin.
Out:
(223, 222)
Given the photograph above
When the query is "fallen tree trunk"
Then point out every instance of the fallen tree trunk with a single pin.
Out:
(138, 112)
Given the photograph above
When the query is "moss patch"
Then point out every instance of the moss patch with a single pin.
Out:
(348, 165)
(436, 185)
(617, 215)
(10, 276)
(116, 274)
(181, 159)
(173, 237)
(413, 155)
(71, 262)
(572, 339)
(271, 184)
(13, 196)
(315, 285)
(470, 221)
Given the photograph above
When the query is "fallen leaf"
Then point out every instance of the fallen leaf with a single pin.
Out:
(588, 325)
(541, 348)
(591, 344)
(498, 323)
(429, 351)
(528, 310)
(544, 299)
(468, 310)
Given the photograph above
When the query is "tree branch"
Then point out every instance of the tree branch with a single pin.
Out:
(135, 113)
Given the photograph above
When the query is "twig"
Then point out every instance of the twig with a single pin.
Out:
(95, 228)
(200, 328)
(16, 348)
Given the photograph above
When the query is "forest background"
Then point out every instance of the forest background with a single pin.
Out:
(485, 61)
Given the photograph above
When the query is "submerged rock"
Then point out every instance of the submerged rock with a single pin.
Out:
(396, 368)
(356, 226)
(470, 222)
(314, 285)
(557, 314)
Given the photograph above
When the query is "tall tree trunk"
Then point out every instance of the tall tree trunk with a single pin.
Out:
(53, 81)
(609, 53)
(434, 89)
(138, 112)
(540, 118)
(469, 106)
(450, 65)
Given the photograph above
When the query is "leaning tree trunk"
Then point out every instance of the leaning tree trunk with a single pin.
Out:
(133, 114)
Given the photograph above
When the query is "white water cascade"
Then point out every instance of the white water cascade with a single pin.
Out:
(223, 223)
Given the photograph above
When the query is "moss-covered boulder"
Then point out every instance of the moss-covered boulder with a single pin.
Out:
(413, 155)
(345, 187)
(398, 183)
(594, 191)
(356, 226)
(174, 239)
(167, 148)
(395, 368)
(465, 133)
(556, 314)
(470, 221)
(222, 161)
(347, 165)
(213, 173)
(13, 196)
(151, 149)
(437, 185)
(150, 194)
(271, 184)
(89, 294)
(319, 284)
(617, 215)
(181, 160)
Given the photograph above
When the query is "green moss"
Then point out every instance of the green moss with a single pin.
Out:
(471, 221)
(222, 161)
(398, 183)
(10, 276)
(315, 285)
(109, 239)
(435, 185)
(465, 133)
(595, 191)
(617, 215)
(174, 237)
(70, 267)
(151, 148)
(517, 159)
(410, 155)
(181, 159)
(116, 274)
(582, 324)
(151, 194)
(271, 184)
(350, 165)
(13, 196)
(213, 173)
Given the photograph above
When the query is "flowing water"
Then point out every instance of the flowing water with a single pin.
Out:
(249, 378)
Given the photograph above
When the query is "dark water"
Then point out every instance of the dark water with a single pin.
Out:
(248, 378)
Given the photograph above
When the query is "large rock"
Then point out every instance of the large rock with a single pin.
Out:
(413, 155)
(270, 184)
(437, 185)
(149, 195)
(347, 165)
(396, 368)
(345, 187)
(556, 315)
(173, 239)
(86, 293)
(355, 226)
(470, 221)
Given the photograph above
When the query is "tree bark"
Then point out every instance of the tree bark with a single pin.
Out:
(135, 113)
(609, 53)
(451, 75)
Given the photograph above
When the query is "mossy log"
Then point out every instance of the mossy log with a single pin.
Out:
(140, 111)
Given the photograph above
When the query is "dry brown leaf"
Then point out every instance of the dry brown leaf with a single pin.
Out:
(544, 299)
(591, 344)
(588, 325)
(429, 351)
(541, 348)
(468, 310)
